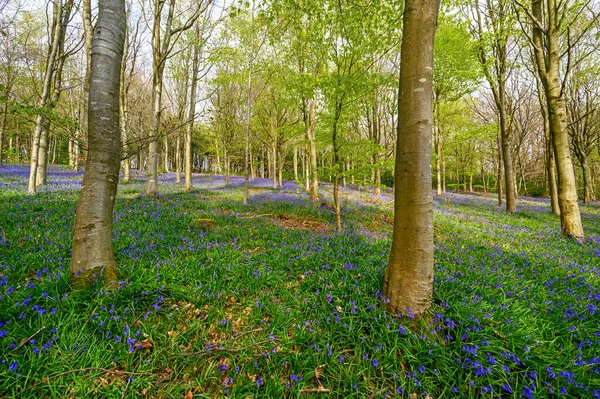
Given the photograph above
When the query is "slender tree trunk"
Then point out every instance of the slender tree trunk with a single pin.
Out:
(548, 63)
(166, 154)
(295, 163)
(408, 280)
(2, 127)
(178, 159)
(123, 107)
(443, 170)
(307, 169)
(281, 163)
(274, 165)
(42, 119)
(192, 111)
(588, 192)
(92, 232)
(499, 170)
(314, 185)
(438, 165)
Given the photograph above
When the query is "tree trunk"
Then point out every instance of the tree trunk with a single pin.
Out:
(92, 233)
(438, 165)
(295, 163)
(314, 186)
(86, 11)
(178, 159)
(191, 111)
(588, 192)
(160, 51)
(281, 163)
(548, 63)
(499, 171)
(274, 165)
(2, 127)
(42, 119)
(408, 280)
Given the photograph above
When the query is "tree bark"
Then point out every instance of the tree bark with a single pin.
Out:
(192, 110)
(42, 119)
(2, 127)
(588, 192)
(56, 91)
(93, 256)
(548, 64)
(314, 185)
(408, 280)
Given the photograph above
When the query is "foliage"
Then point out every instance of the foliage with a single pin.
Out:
(259, 308)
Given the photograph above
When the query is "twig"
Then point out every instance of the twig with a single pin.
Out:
(248, 332)
(29, 339)
(118, 372)
(126, 387)
(218, 350)
(313, 390)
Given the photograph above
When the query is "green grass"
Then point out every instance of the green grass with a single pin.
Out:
(262, 308)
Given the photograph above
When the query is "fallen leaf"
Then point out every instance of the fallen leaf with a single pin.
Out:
(145, 344)
(188, 395)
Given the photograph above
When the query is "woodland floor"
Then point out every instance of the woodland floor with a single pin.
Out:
(273, 304)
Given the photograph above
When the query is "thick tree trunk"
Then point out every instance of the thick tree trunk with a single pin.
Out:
(92, 233)
(86, 11)
(408, 280)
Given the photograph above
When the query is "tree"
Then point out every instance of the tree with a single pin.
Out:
(92, 232)
(493, 31)
(49, 97)
(546, 38)
(163, 39)
(408, 280)
(455, 75)
(584, 126)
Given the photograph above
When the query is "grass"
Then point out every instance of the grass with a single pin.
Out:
(270, 305)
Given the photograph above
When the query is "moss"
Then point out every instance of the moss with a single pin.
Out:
(206, 224)
(90, 277)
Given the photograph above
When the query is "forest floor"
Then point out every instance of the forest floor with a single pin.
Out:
(273, 303)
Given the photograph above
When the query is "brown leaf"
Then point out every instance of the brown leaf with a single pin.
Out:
(188, 395)
(145, 344)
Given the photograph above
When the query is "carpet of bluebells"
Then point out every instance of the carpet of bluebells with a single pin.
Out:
(273, 303)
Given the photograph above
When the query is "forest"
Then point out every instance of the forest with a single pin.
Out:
(300, 198)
